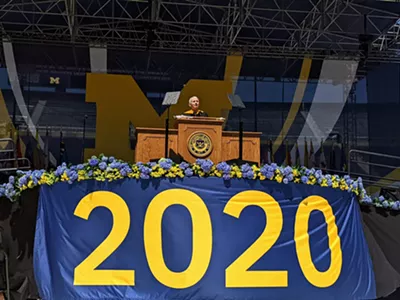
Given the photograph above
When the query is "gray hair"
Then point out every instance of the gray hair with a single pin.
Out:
(191, 98)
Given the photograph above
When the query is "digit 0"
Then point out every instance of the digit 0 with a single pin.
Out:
(202, 238)
(302, 240)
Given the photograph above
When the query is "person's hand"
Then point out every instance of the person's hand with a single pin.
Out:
(2, 296)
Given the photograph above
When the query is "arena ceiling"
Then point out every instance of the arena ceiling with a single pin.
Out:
(256, 28)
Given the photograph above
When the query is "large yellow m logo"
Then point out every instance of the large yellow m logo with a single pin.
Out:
(119, 101)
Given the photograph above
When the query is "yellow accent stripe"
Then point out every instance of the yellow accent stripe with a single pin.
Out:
(375, 188)
(297, 99)
(6, 121)
(232, 69)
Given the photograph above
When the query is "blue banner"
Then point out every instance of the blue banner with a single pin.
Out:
(200, 238)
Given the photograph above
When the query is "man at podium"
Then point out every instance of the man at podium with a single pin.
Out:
(194, 104)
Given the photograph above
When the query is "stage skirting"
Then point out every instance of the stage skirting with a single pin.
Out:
(200, 238)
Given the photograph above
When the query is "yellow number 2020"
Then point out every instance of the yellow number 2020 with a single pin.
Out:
(85, 273)
(237, 274)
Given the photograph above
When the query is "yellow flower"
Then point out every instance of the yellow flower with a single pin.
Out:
(324, 182)
(30, 184)
(279, 178)
(262, 177)
(335, 184)
(296, 173)
(64, 177)
(297, 180)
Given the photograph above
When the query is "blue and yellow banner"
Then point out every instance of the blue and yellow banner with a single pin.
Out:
(200, 238)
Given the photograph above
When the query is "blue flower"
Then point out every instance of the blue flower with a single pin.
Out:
(11, 179)
(304, 179)
(249, 174)
(102, 166)
(183, 165)
(224, 168)
(385, 204)
(144, 170)
(366, 200)
(290, 177)
(93, 162)
(2, 191)
(318, 174)
(270, 175)
(104, 159)
(205, 164)
(285, 181)
(226, 177)
(59, 171)
(80, 167)
(396, 205)
(165, 164)
(381, 198)
(111, 159)
(189, 172)
(152, 164)
(115, 165)
(144, 176)
(287, 170)
(245, 168)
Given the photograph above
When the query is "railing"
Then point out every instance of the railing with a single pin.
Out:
(383, 185)
(9, 160)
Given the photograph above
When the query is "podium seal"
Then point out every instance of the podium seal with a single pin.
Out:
(199, 144)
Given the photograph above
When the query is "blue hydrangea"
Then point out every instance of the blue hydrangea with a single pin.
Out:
(111, 159)
(2, 191)
(285, 181)
(224, 168)
(11, 179)
(189, 172)
(396, 205)
(226, 177)
(248, 175)
(205, 164)
(102, 166)
(93, 162)
(183, 165)
(287, 170)
(144, 176)
(104, 159)
(366, 200)
(115, 165)
(165, 164)
(304, 179)
(80, 167)
(270, 174)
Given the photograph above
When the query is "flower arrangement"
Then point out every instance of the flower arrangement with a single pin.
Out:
(105, 168)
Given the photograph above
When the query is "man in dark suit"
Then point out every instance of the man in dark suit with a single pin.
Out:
(194, 104)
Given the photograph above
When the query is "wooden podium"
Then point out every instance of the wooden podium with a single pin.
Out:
(197, 137)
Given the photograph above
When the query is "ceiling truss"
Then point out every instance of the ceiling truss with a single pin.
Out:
(256, 28)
